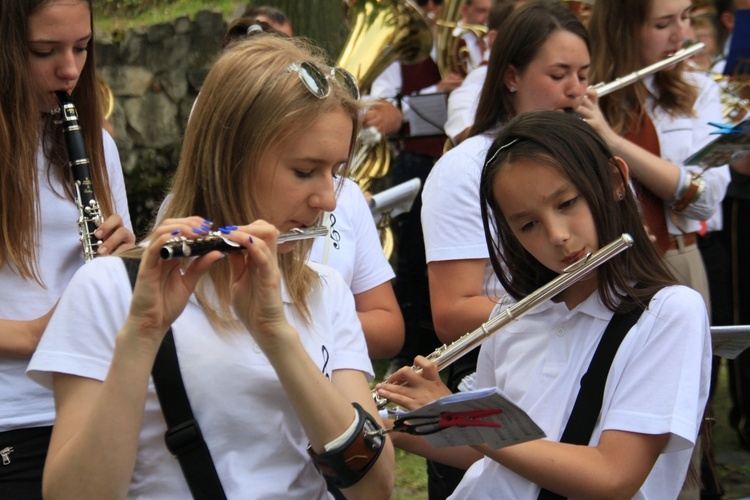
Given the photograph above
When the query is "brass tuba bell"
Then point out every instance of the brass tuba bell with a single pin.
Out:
(382, 32)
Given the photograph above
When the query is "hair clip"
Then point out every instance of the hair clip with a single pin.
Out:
(505, 146)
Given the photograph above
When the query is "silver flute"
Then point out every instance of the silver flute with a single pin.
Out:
(89, 214)
(447, 354)
(180, 247)
(603, 89)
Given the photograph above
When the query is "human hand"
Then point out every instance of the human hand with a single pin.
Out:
(115, 236)
(592, 114)
(411, 389)
(255, 281)
(450, 83)
(384, 116)
(164, 286)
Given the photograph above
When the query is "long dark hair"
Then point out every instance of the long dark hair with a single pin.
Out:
(518, 43)
(20, 135)
(569, 145)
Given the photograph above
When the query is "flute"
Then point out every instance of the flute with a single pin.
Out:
(447, 354)
(181, 247)
(603, 89)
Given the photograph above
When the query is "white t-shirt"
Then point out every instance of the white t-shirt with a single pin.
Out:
(255, 438)
(352, 246)
(463, 102)
(658, 382)
(24, 403)
(451, 214)
(680, 137)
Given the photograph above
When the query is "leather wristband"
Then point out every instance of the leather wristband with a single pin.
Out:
(346, 464)
(690, 194)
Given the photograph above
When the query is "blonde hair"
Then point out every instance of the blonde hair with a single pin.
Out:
(615, 27)
(248, 104)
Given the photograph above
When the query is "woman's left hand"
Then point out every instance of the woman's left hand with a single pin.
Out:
(592, 114)
(411, 389)
(256, 281)
(115, 236)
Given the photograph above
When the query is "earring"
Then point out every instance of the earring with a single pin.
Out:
(620, 195)
(512, 89)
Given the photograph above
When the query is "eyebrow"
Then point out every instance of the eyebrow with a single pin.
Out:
(556, 193)
(568, 66)
(85, 38)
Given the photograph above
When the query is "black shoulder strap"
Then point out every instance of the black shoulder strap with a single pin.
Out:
(588, 403)
(183, 437)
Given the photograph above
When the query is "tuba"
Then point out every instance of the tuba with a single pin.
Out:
(453, 55)
(382, 32)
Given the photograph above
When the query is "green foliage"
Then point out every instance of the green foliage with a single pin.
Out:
(128, 7)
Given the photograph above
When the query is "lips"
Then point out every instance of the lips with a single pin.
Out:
(572, 258)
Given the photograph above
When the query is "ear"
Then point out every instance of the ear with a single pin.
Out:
(510, 78)
(623, 176)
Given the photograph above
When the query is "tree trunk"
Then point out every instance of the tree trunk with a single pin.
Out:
(322, 21)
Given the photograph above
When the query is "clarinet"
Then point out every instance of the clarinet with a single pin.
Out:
(89, 215)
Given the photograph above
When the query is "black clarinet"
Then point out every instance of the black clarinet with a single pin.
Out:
(89, 215)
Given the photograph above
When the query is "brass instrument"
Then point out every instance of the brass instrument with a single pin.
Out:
(734, 107)
(382, 32)
(451, 57)
(177, 248)
(603, 89)
(447, 354)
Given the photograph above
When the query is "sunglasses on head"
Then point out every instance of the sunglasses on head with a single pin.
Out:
(317, 81)
(422, 3)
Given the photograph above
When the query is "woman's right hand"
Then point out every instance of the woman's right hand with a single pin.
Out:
(163, 286)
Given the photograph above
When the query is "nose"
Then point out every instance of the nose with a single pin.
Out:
(682, 30)
(69, 66)
(576, 89)
(558, 233)
(324, 197)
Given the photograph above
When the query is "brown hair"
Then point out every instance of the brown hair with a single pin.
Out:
(615, 28)
(21, 135)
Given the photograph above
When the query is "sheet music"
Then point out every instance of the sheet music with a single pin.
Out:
(729, 341)
(427, 114)
(398, 199)
(726, 148)
(517, 426)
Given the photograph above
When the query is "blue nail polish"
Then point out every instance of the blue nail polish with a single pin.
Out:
(251, 239)
(232, 228)
(206, 228)
(198, 231)
(175, 233)
(206, 221)
(224, 230)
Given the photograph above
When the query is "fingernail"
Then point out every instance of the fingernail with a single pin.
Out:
(224, 230)
(206, 221)
(102, 251)
(232, 228)
(198, 231)
(98, 233)
(175, 233)
(251, 239)
(206, 228)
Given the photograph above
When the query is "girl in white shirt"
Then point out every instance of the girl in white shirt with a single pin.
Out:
(552, 192)
(271, 352)
(46, 48)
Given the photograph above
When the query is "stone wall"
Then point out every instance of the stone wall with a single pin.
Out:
(155, 74)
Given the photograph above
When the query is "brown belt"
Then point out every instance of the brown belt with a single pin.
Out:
(687, 240)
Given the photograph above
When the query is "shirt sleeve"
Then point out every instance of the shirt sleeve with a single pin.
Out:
(116, 180)
(80, 337)
(664, 379)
